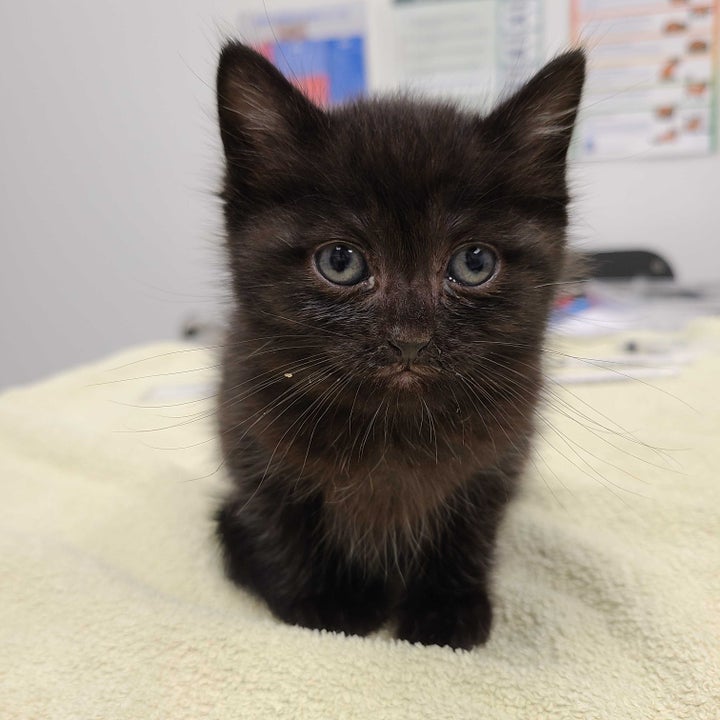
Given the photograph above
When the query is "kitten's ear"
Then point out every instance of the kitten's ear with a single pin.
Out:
(264, 121)
(533, 127)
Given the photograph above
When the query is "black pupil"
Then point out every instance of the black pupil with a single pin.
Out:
(476, 260)
(340, 259)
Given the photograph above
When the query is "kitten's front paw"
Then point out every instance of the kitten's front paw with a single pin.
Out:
(353, 616)
(456, 622)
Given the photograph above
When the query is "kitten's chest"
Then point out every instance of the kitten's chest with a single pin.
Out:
(391, 506)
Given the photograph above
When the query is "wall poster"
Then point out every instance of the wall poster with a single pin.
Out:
(469, 50)
(651, 80)
(321, 50)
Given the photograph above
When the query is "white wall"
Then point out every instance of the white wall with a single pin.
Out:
(109, 158)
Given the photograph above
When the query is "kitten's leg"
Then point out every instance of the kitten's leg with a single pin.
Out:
(274, 550)
(448, 602)
(354, 605)
(458, 619)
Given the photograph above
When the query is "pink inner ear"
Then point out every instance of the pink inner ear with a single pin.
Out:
(255, 111)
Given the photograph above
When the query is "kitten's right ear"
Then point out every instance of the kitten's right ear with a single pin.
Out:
(264, 121)
(532, 128)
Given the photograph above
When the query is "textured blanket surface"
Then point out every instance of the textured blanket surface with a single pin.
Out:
(113, 603)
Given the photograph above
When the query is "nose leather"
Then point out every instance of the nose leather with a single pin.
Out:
(408, 351)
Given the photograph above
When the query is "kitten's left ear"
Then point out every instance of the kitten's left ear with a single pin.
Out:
(265, 122)
(533, 127)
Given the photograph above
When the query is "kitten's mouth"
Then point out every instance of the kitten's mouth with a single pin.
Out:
(405, 376)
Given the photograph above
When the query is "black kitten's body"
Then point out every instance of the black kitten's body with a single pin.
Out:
(375, 430)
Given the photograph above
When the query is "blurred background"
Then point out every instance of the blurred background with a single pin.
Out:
(110, 159)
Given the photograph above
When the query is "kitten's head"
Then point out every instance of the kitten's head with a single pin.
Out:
(393, 246)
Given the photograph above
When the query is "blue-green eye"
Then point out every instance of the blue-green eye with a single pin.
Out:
(341, 264)
(472, 265)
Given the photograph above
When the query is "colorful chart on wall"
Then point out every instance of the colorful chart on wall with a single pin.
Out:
(651, 81)
(320, 50)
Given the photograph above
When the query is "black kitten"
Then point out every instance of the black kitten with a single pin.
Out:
(393, 266)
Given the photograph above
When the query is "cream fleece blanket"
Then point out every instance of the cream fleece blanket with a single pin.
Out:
(113, 603)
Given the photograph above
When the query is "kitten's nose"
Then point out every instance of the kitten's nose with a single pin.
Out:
(408, 351)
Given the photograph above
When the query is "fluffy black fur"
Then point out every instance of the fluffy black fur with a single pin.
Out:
(375, 432)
